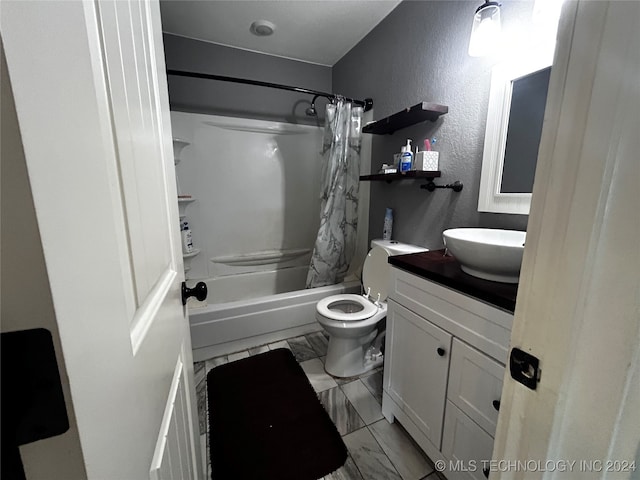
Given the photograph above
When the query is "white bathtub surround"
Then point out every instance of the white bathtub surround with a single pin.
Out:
(275, 338)
(228, 327)
(246, 286)
(255, 222)
(262, 258)
(336, 239)
(258, 189)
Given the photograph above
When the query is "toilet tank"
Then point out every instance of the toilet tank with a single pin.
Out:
(376, 269)
(397, 248)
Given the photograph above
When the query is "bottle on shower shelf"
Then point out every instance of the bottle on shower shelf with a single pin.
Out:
(185, 234)
(388, 224)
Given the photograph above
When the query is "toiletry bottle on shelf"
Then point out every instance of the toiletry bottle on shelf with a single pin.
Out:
(388, 224)
(406, 158)
(185, 234)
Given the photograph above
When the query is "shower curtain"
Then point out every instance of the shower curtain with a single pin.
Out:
(336, 238)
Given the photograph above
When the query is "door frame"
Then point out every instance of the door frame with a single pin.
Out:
(577, 305)
(54, 54)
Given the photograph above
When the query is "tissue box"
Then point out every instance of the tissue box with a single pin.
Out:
(426, 161)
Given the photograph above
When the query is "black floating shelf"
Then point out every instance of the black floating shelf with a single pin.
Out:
(390, 177)
(409, 116)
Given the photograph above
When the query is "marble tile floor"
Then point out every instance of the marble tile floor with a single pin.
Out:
(377, 449)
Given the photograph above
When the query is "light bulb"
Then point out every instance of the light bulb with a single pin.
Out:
(485, 35)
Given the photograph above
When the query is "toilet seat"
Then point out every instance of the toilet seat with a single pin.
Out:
(368, 308)
(375, 274)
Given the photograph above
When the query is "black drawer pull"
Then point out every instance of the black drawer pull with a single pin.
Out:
(441, 351)
(496, 405)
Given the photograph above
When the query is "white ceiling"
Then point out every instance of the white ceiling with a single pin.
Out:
(317, 31)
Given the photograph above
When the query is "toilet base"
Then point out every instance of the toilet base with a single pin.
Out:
(346, 356)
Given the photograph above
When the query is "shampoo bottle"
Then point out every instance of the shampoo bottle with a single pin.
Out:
(388, 224)
(406, 158)
(185, 234)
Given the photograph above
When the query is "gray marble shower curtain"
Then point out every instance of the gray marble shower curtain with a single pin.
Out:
(336, 238)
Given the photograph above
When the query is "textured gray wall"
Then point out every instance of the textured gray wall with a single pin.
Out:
(419, 53)
(223, 98)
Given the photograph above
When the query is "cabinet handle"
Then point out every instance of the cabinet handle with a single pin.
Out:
(496, 405)
(441, 351)
(485, 472)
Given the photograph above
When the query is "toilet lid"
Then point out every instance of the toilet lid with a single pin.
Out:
(375, 273)
(367, 309)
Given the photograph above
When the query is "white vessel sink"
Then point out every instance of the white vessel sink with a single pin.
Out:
(487, 253)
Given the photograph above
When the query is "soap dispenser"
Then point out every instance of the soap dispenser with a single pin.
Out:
(406, 157)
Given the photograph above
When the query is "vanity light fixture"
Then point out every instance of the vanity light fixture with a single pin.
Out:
(485, 35)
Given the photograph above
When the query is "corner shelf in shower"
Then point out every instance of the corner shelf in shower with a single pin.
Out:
(390, 177)
(182, 205)
(178, 145)
(420, 112)
(187, 258)
(195, 252)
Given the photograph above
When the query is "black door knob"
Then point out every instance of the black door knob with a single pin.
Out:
(199, 291)
(496, 405)
(441, 351)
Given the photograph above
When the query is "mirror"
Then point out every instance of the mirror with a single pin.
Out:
(514, 124)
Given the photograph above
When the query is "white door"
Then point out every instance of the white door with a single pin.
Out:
(577, 308)
(91, 97)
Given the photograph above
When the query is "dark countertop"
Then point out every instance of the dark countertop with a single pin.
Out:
(445, 270)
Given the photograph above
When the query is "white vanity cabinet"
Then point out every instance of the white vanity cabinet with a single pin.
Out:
(475, 385)
(417, 369)
(444, 365)
(465, 444)
(471, 413)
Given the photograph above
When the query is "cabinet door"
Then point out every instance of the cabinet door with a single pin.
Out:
(475, 384)
(417, 368)
(467, 447)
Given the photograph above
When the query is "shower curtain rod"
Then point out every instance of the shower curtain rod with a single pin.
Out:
(367, 103)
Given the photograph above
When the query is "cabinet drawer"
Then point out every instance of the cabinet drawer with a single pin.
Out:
(416, 368)
(465, 445)
(475, 383)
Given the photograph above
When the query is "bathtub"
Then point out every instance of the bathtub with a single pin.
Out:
(246, 311)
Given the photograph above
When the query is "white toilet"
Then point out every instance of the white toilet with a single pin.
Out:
(351, 320)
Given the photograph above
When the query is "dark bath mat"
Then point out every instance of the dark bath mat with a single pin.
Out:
(266, 422)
